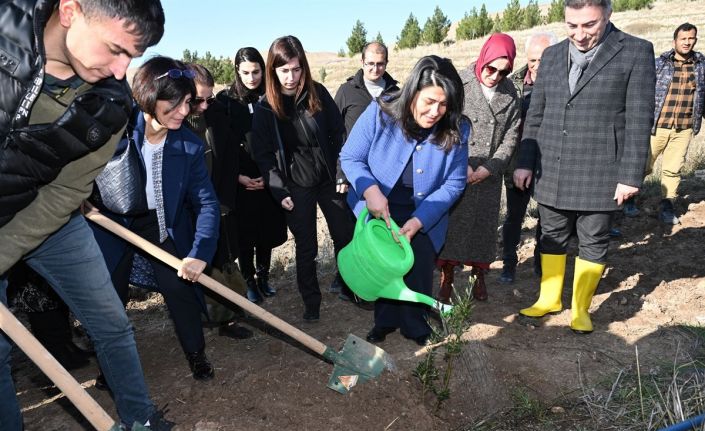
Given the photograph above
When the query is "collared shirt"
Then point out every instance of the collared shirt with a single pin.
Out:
(677, 111)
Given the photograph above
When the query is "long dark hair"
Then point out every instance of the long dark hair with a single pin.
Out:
(430, 71)
(282, 51)
(238, 90)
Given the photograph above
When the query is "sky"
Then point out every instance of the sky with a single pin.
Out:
(224, 26)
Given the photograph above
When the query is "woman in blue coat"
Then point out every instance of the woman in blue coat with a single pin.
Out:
(406, 158)
(183, 211)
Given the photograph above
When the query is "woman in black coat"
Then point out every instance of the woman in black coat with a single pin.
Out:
(260, 220)
(300, 132)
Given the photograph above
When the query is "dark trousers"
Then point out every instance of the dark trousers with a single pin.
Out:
(228, 245)
(302, 223)
(517, 202)
(592, 228)
(251, 255)
(410, 317)
(180, 295)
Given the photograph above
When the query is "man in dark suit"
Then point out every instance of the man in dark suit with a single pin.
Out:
(585, 144)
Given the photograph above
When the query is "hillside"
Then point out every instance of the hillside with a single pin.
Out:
(655, 24)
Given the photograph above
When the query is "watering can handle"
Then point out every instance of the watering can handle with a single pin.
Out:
(362, 219)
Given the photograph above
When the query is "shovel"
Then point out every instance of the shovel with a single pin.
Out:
(373, 265)
(357, 362)
(88, 407)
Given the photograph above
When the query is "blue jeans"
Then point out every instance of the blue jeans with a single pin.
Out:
(73, 265)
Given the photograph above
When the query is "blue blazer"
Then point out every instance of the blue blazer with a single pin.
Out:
(376, 153)
(188, 193)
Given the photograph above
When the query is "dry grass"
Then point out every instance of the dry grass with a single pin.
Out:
(650, 396)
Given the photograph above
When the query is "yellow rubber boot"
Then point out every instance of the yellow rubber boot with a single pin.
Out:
(552, 272)
(587, 277)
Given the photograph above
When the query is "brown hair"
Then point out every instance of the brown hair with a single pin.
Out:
(203, 75)
(282, 51)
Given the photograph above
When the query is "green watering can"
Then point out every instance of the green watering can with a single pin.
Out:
(373, 265)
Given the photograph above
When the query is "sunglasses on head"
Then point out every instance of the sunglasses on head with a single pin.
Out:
(198, 100)
(178, 73)
(502, 72)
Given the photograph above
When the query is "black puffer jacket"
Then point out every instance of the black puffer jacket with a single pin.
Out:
(33, 155)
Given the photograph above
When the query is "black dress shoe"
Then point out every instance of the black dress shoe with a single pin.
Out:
(200, 365)
(377, 335)
(233, 330)
(312, 312)
(423, 340)
(100, 383)
(312, 315)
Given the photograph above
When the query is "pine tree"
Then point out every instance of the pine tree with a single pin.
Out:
(497, 24)
(556, 12)
(532, 15)
(512, 16)
(468, 26)
(485, 24)
(410, 35)
(221, 68)
(436, 27)
(357, 39)
(378, 38)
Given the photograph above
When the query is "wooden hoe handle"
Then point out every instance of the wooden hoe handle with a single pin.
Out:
(53, 369)
(209, 282)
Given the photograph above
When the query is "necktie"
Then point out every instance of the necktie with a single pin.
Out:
(158, 197)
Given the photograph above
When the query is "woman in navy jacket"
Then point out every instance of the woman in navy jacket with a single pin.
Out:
(183, 211)
(406, 158)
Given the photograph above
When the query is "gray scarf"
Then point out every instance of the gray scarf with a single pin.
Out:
(579, 61)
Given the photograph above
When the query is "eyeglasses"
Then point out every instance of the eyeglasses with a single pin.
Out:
(198, 100)
(502, 72)
(178, 73)
(372, 65)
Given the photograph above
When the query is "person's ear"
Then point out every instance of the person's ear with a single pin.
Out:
(69, 10)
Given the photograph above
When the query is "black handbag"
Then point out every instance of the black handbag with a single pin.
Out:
(120, 188)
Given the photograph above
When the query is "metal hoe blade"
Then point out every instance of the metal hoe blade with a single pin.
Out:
(358, 362)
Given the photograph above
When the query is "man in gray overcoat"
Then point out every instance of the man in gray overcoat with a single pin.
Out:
(585, 144)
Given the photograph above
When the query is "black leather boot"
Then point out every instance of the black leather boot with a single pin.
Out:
(253, 293)
(200, 365)
(263, 282)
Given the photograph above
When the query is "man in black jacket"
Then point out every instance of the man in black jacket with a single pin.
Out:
(64, 104)
(370, 82)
